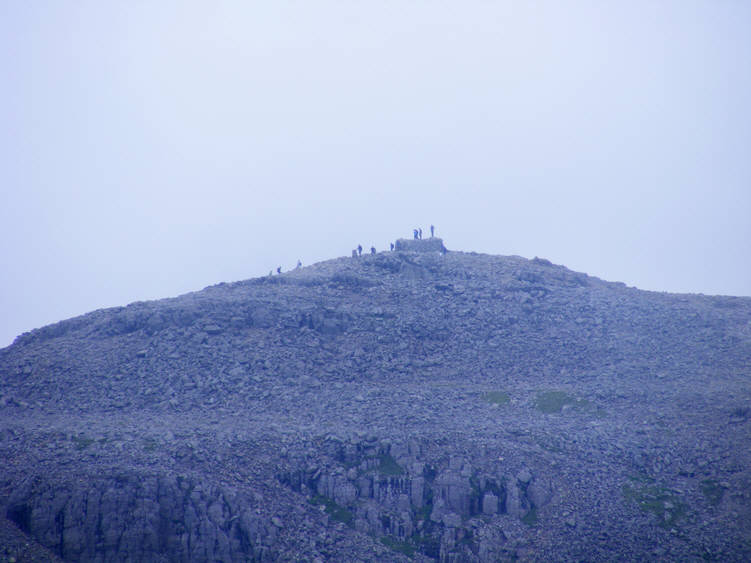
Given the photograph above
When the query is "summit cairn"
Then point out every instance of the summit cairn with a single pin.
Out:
(421, 245)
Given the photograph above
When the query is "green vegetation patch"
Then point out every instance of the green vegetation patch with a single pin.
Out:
(81, 442)
(403, 547)
(423, 513)
(713, 491)
(388, 465)
(333, 509)
(150, 445)
(530, 518)
(667, 507)
(550, 444)
(551, 402)
(497, 397)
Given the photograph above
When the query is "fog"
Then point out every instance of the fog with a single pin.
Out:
(150, 149)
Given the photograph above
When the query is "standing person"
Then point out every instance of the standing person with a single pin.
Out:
(421, 234)
(432, 231)
(359, 250)
(392, 247)
(415, 233)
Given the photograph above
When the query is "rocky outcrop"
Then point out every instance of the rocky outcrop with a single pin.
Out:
(446, 510)
(135, 517)
(432, 244)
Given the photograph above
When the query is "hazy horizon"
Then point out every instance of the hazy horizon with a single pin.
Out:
(152, 150)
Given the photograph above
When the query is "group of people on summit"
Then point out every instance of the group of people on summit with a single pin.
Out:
(416, 232)
(358, 251)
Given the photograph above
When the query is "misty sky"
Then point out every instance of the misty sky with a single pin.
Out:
(153, 148)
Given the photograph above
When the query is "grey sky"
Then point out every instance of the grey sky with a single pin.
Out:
(153, 148)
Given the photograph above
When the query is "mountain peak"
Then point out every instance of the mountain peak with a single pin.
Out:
(441, 405)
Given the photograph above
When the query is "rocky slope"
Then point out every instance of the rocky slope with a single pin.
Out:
(406, 405)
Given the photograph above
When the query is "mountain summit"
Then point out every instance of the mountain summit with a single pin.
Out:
(420, 404)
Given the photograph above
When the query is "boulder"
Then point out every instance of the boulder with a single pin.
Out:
(420, 245)
(539, 492)
(489, 503)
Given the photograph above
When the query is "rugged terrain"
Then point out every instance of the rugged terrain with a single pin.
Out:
(416, 404)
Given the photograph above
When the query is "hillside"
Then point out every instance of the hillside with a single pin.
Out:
(406, 405)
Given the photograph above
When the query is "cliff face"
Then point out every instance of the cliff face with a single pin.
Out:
(411, 404)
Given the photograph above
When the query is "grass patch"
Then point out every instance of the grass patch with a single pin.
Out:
(336, 511)
(497, 397)
(403, 547)
(424, 512)
(388, 465)
(551, 402)
(713, 491)
(550, 444)
(81, 442)
(601, 413)
(666, 507)
(530, 518)
(149, 445)
(641, 478)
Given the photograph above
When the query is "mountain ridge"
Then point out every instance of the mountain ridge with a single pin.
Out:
(426, 405)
